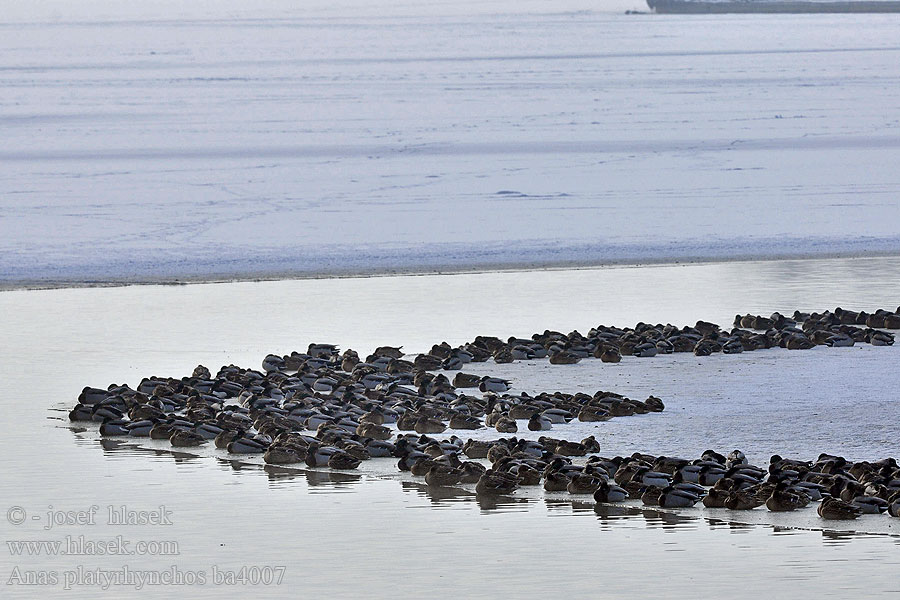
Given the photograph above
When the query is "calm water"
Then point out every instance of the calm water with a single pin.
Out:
(378, 533)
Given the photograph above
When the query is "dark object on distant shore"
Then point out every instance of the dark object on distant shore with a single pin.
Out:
(773, 6)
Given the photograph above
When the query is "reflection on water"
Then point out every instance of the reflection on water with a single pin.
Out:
(117, 448)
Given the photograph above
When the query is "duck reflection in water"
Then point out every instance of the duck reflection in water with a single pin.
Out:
(614, 512)
(120, 448)
(668, 521)
(438, 494)
(330, 478)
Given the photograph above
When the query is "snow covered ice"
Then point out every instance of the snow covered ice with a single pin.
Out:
(167, 141)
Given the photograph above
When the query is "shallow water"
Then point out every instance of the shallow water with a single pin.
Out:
(379, 533)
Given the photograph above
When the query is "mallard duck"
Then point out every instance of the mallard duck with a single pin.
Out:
(184, 438)
(282, 455)
(492, 482)
(652, 478)
(429, 425)
(140, 428)
(493, 384)
(783, 499)
(466, 380)
(103, 413)
(471, 472)
(870, 505)
(562, 357)
(538, 422)
(583, 483)
(477, 448)
(343, 461)
(526, 474)
(742, 500)
(506, 425)
(209, 431)
(835, 509)
(114, 427)
(374, 431)
(248, 445)
(443, 475)
(593, 413)
(556, 481)
(224, 438)
(715, 498)
(673, 497)
(650, 495)
(610, 354)
(610, 492)
(462, 421)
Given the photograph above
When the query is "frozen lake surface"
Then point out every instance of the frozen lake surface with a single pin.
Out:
(336, 532)
(229, 140)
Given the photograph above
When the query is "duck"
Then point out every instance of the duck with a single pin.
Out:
(526, 474)
(114, 427)
(471, 472)
(494, 384)
(247, 445)
(506, 425)
(282, 455)
(783, 499)
(496, 452)
(477, 448)
(492, 482)
(562, 357)
(610, 354)
(835, 509)
(373, 431)
(558, 416)
(210, 431)
(678, 482)
(223, 439)
(716, 498)
(870, 505)
(742, 500)
(140, 428)
(593, 414)
(539, 422)
(673, 497)
(184, 438)
(443, 475)
(318, 455)
(650, 495)
(583, 483)
(429, 425)
(556, 481)
(651, 478)
(466, 380)
(645, 350)
(343, 461)
(610, 492)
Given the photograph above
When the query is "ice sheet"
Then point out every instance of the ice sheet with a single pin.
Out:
(166, 140)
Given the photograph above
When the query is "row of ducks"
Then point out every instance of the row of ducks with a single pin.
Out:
(845, 489)
(312, 392)
(609, 344)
